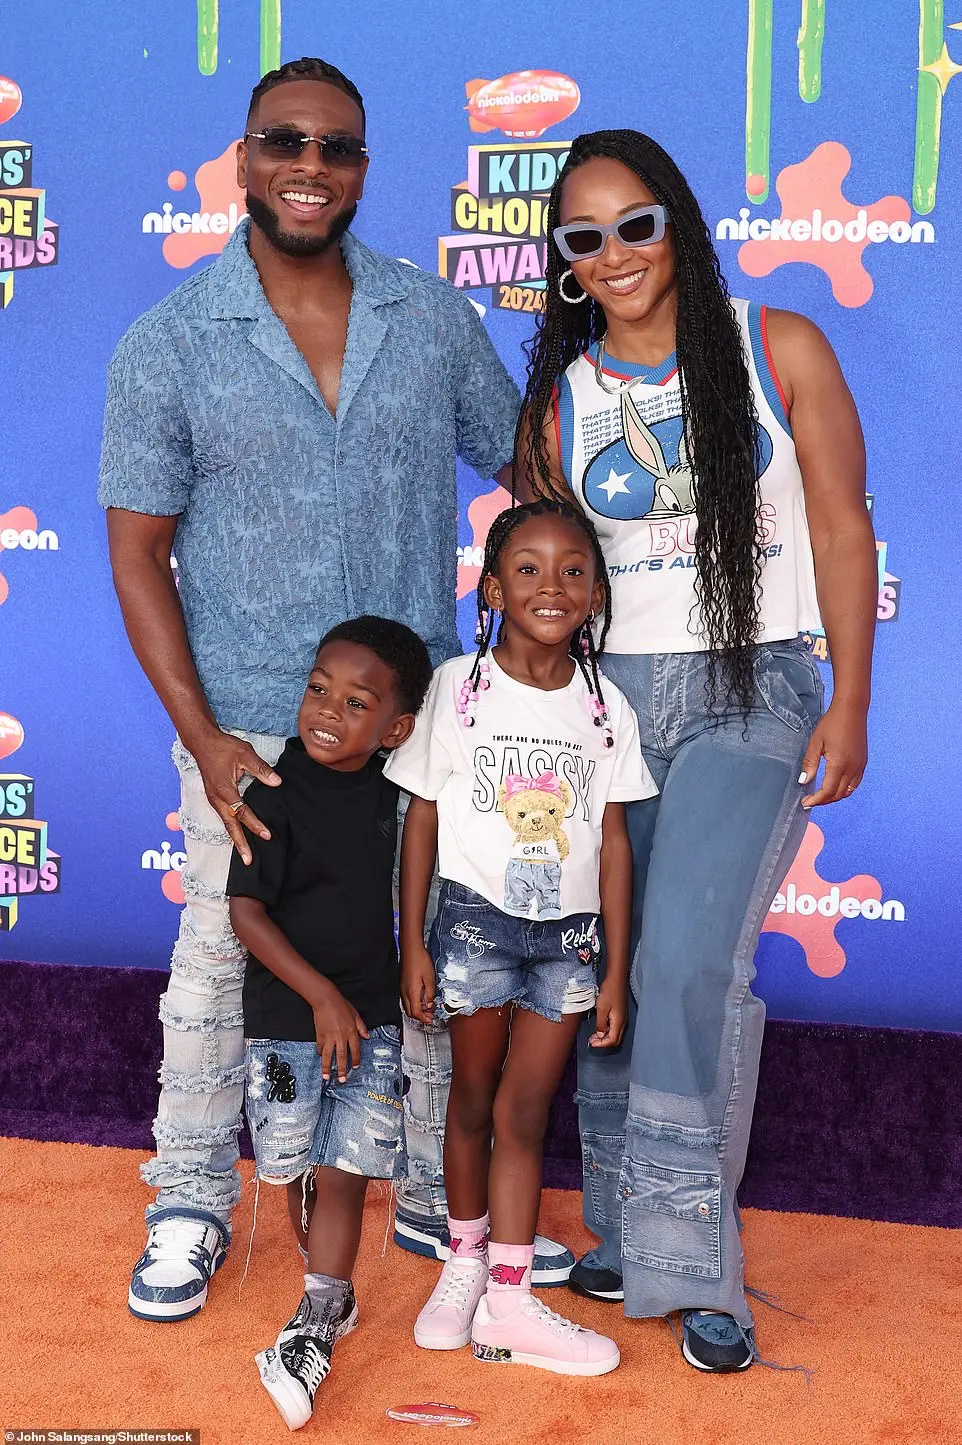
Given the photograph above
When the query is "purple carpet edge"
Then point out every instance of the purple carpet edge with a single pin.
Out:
(849, 1120)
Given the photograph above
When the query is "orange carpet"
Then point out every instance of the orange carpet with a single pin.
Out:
(885, 1341)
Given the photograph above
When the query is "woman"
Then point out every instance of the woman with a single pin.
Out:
(656, 401)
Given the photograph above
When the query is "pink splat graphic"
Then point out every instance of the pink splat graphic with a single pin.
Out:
(171, 883)
(815, 185)
(815, 931)
(481, 513)
(217, 189)
(20, 519)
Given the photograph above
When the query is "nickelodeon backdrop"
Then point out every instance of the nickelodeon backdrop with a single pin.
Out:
(824, 140)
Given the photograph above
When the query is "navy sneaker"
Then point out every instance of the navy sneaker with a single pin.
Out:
(184, 1248)
(428, 1236)
(596, 1281)
(716, 1343)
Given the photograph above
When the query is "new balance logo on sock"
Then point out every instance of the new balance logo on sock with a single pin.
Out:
(477, 1247)
(507, 1273)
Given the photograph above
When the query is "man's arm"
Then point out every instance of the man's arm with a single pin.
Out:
(140, 549)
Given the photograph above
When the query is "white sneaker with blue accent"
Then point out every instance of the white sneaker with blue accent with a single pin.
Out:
(427, 1235)
(184, 1249)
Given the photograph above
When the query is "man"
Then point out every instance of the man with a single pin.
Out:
(287, 420)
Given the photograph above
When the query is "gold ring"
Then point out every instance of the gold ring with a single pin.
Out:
(236, 807)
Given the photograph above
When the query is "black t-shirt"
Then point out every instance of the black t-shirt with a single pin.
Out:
(325, 875)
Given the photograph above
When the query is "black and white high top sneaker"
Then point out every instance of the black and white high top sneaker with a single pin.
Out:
(293, 1368)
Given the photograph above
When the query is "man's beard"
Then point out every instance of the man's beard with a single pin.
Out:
(296, 244)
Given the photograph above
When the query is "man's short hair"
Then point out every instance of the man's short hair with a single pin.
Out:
(398, 647)
(307, 68)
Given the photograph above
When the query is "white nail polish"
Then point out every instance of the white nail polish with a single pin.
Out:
(803, 778)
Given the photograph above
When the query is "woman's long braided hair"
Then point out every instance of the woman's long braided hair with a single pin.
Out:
(718, 410)
(583, 648)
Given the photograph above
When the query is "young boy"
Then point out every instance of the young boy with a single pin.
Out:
(321, 993)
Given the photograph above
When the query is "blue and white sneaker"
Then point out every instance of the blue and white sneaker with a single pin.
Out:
(428, 1236)
(716, 1343)
(184, 1248)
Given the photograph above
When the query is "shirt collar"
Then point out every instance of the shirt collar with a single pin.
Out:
(236, 290)
(295, 759)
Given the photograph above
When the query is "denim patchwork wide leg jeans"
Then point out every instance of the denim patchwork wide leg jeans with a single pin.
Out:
(665, 1119)
(202, 1076)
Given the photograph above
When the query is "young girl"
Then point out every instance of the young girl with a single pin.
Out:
(519, 769)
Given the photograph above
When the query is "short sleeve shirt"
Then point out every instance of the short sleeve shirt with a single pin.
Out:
(325, 877)
(291, 520)
(525, 788)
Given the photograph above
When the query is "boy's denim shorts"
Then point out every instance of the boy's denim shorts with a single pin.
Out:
(485, 958)
(298, 1122)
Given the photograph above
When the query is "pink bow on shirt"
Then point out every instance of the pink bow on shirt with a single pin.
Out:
(544, 783)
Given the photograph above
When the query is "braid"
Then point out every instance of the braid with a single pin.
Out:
(582, 648)
(718, 411)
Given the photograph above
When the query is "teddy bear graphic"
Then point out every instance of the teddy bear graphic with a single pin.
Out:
(535, 809)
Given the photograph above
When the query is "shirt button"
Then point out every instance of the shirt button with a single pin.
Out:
(704, 1209)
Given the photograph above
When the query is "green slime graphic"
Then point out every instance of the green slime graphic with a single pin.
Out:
(270, 35)
(928, 113)
(206, 36)
(810, 36)
(758, 96)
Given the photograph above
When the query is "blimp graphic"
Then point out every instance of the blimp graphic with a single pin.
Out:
(523, 104)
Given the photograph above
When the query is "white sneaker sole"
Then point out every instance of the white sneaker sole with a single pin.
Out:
(542, 1277)
(285, 1392)
(441, 1342)
(182, 1309)
(498, 1355)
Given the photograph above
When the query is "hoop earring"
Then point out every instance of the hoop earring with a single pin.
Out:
(571, 300)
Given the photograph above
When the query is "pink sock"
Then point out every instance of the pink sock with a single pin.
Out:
(469, 1237)
(509, 1276)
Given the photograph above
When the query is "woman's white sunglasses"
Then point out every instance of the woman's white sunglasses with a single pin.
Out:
(641, 227)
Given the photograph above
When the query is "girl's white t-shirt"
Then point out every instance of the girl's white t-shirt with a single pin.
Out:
(522, 793)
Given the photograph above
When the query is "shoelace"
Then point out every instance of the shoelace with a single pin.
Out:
(456, 1281)
(314, 1366)
(536, 1310)
(173, 1238)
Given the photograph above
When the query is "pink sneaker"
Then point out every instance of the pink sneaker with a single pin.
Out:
(534, 1335)
(445, 1321)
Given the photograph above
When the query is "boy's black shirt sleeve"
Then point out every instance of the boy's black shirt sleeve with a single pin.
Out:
(263, 877)
(325, 878)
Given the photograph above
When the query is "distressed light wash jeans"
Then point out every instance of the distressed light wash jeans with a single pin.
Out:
(665, 1118)
(202, 1075)
(426, 1065)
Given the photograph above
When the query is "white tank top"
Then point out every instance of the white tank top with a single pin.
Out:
(626, 461)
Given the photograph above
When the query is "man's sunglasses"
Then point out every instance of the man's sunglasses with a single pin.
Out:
(286, 144)
(643, 227)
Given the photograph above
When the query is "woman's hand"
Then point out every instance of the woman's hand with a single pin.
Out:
(418, 984)
(611, 1015)
(840, 738)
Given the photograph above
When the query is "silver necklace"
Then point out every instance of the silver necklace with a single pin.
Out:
(620, 386)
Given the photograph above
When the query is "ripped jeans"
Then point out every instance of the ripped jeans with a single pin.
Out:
(202, 1076)
(665, 1118)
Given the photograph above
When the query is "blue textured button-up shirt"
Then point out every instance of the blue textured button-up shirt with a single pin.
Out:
(291, 519)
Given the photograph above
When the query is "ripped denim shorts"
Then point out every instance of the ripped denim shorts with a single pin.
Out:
(297, 1121)
(485, 958)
